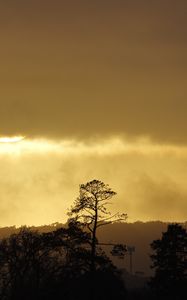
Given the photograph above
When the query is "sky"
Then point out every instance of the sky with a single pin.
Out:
(98, 89)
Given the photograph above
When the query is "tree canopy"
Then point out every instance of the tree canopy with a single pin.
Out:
(169, 260)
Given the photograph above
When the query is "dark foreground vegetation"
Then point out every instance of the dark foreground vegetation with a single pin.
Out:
(55, 265)
(69, 263)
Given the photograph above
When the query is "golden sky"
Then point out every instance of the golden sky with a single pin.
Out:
(84, 81)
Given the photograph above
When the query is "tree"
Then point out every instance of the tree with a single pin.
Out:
(90, 211)
(170, 263)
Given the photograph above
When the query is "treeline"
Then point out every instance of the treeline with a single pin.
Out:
(58, 265)
(55, 265)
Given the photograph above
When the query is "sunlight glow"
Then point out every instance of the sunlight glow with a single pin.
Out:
(18, 145)
(13, 139)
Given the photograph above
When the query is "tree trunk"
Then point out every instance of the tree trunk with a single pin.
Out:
(93, 246)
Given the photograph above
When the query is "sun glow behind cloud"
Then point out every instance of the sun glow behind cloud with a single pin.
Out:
(40, 178)
(113, 146)
(13, 139)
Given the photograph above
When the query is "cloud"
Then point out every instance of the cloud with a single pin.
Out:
(40, 178)
(161, 198)
(77, 69)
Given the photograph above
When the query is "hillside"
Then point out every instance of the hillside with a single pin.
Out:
(137, 234)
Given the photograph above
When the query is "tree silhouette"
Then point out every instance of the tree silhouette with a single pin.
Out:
(170, 264)
(90, 211)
